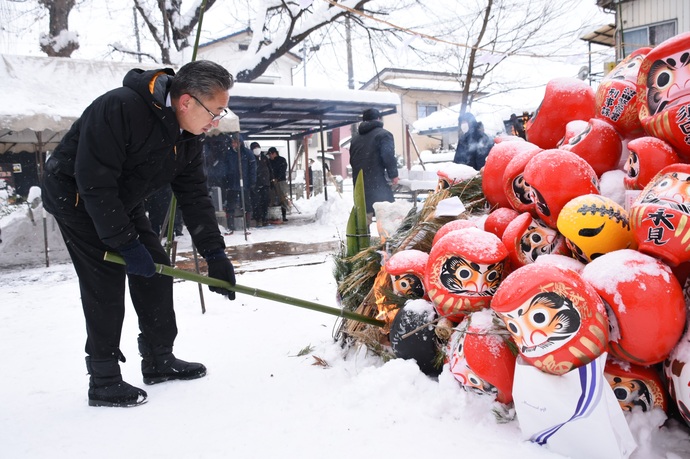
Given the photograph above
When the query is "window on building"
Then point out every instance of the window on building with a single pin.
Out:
(425, 109)
(650, 35)
(315, 139)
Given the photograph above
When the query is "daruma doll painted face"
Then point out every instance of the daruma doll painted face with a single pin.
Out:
(464, 270)
(406, 269)
(663, 85)
(557, 320)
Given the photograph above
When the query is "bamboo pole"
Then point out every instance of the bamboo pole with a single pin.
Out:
(210, 281)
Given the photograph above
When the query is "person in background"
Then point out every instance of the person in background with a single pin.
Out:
(311, 176)
(130, 142)
(280, 186)
(372, 151)
(217, 156)
(517, 126)
(261, 188)
(238, 189)
(473, 143)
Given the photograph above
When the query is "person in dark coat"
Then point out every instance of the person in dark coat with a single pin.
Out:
(473, 143)
(372, 150)
(128, 143)
(279, 166)
(260, 190)
(240, 184)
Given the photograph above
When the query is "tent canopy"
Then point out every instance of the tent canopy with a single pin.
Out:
(43, 96)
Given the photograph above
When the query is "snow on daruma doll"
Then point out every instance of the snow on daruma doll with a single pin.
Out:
(660, 215)
(464, 269)
(556, 177)
(677, 372)
(617, 102)
(594, 225)
(480, 357)
(635, 386)
(645, 304)
(556, 318)
(565, 100)
(528, 238)
(492, 178)
(453, 174)
(648, 155)
(599, 144)
(452, 226)
(663, 86)
(406, 269)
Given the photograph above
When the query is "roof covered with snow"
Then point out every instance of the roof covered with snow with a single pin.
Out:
(43, 96)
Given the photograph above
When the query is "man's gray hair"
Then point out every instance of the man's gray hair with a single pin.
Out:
(200, 78)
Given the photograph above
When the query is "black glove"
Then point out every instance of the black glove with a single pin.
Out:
(138, 260)
(219, 267)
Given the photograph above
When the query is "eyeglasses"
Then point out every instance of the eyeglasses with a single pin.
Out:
(214, 117)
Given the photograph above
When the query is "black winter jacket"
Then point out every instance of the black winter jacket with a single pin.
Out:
(264, 171)
(373, 151)
(474, 145)
(126, 145)
(279, 167)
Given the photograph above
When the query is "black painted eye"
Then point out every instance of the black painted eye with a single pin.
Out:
(464, 274)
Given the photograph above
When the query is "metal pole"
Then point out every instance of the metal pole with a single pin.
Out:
(244, 207)
(323, 161)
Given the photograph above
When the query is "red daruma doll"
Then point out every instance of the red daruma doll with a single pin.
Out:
(464, 269)
(557, 320)
(565, 100)
(663, 85)
(555, 177)
(616, 98)
(645, 304)
(660, 216)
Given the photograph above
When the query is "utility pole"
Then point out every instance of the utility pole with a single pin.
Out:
(350, 69)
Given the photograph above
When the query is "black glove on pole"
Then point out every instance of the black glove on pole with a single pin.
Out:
(220, 267)
(138, 260)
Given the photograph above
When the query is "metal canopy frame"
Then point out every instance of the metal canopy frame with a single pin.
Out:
(300, 112)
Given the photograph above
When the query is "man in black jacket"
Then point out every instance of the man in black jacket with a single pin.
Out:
(279, 168)
(372, 151)
(127, 144)
(261, 188)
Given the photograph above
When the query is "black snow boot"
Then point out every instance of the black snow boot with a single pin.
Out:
(106, 387)
(158, 364)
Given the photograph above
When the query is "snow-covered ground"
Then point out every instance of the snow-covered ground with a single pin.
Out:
(278, 385)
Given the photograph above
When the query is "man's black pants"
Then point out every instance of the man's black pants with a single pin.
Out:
(102, 286)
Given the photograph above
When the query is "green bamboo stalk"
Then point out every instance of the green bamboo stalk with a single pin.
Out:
(361, 213)
(351, 238)
(194, 277)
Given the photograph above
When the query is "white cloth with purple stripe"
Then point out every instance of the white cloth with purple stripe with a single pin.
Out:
(575, 414)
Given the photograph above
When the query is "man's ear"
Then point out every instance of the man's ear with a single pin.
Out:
(184, 101)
